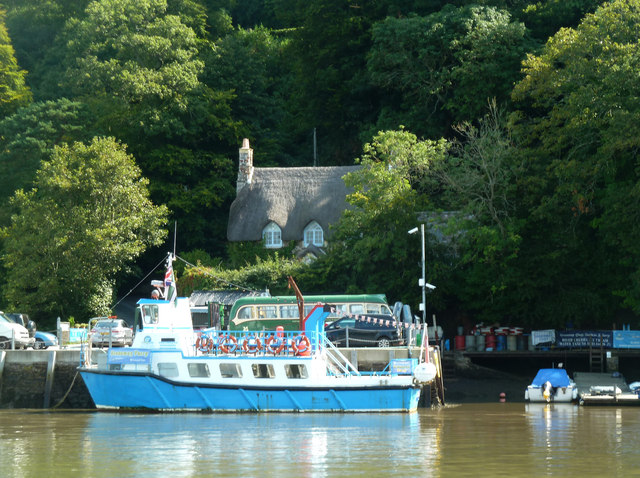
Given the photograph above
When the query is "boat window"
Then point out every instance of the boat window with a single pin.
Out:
(296, 370)
(267, 311)
(137, 321)
(168, 369)
(263, 370)
(230, 370)
(198, 370)
(373, 308)
(150, 314)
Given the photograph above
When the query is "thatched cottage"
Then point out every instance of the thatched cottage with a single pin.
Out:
(279, 205)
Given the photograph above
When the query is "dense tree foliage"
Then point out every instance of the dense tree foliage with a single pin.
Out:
(86, 219)
(28, 137)
(579, 124)
(13, 89)
(370, 248)
(430, 66)
(531, 221)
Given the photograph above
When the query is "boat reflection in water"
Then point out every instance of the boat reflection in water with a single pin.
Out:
(275, 444)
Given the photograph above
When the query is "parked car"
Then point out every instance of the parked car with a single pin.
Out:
(349, 332)
(44, 340)
(117, 329)
(9, 329)
(22, 319)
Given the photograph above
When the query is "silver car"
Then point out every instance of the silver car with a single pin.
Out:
(114, 331)
(10, 332)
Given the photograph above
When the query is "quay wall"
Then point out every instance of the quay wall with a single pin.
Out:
(43, 379)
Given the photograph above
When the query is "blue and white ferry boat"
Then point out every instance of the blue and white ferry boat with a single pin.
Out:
(171, 368)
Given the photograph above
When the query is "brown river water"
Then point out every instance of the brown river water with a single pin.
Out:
(488, 439)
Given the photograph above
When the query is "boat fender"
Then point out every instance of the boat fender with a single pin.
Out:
(228, 343)
(425, 372)
(301, 345)
(251, 344)
(274, 344)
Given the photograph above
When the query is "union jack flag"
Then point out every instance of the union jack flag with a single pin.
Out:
(170, 289)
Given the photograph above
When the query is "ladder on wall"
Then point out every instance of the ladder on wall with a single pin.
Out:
(596, 358)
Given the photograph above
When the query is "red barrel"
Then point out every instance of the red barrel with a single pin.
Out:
(490, 342)
(459, 342)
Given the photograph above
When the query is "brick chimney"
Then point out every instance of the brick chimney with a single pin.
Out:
(245, 165)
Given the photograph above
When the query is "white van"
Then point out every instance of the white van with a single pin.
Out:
(9, 330)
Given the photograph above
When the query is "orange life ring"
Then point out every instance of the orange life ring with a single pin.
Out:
(251, 344)
(301, 345)
(274, 344)
(228, 343)
(204, 344)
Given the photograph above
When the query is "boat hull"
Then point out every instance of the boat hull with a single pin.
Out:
(146, 391)
(561, 395)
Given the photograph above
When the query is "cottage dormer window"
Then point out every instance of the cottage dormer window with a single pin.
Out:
(272, 236)
(313, 234)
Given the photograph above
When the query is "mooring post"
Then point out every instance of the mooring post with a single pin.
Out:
(51, 365)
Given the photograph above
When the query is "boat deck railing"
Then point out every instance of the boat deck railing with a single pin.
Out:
(274, 343)
(256, 343)
(251, 344)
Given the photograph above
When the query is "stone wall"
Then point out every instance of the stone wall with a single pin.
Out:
(23, 380)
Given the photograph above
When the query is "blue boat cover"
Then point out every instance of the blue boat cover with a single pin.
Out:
(557, 376)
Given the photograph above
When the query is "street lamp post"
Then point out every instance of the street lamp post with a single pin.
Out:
(422, 282)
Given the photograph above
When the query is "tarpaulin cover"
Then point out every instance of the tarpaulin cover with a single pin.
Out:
(557, 376)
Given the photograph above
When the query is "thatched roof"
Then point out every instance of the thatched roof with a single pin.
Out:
(290, 197)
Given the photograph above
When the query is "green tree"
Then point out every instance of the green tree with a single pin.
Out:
(138, 66)
(370, 249)
(135, 62)
(441, 69)
(34, 26)
(28, 137)
(86, 219)
(546, 17)
(578, 121)
(331, 91)
(252, 65)
(14, 92)
(479, 232)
